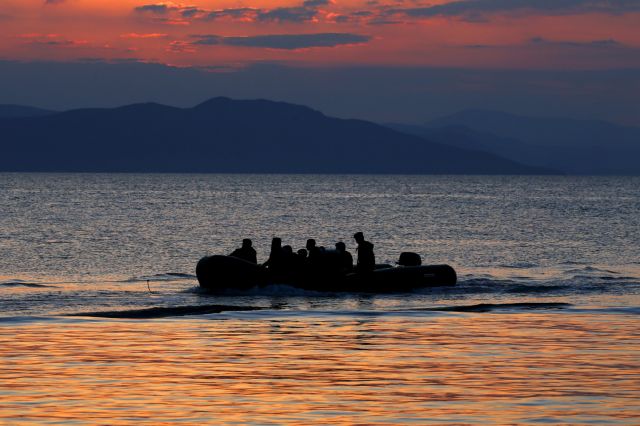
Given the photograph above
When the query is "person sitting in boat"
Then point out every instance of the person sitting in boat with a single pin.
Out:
(246, 252)
(366, 258)
(346, 260)
(276, 262)
(302, 255)
(300, 261)
(289, 259)
(314, 251)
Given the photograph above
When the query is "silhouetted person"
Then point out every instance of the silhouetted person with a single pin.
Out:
(346, 260)
(302, 254)
(366, 258)
(275, 263)
(300, 261)
(289, 259)
(246, 252)
(314, 251)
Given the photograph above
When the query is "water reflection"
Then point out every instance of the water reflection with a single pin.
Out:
(441, 368)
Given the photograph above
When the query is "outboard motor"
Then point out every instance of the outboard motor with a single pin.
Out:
(408, 258)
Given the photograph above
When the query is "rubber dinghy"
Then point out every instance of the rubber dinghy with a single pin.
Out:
(226, 273)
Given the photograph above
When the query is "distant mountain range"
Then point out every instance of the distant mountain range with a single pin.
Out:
(15, 111)
(572, 146)
(224, 135)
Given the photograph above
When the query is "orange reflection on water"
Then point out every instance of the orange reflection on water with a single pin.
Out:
(451, 368)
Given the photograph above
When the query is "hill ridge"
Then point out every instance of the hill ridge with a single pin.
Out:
(226, 135)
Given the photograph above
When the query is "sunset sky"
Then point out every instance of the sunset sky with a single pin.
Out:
(231, 35)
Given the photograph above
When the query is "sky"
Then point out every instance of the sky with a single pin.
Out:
(491, 40)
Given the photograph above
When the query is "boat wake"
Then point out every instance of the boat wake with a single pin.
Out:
(588, 280)
(270, 290)
(470, 285)
(191, 310)
(163, 312)
(20, 283)
(167, 276)
(492, 307)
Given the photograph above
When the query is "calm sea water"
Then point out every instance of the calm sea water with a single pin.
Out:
(555, 260)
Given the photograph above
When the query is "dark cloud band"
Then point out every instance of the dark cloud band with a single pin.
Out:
(476, 8)
(159, 9)
(539, 41)
(305, 12)
(284, 41)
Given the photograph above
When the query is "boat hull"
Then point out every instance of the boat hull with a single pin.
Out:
(225, 273)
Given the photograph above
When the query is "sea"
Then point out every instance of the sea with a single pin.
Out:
(102, 320)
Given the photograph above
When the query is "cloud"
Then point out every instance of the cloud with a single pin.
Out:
(36, 35)
(54, 1)
(170, 13)
(384, 22)
(606, 43)
(476, 9)
(59, 43)
(191, 12)
(178, 46)
(283, 41)
(288, 14)
(138, 36)
(158, 9)
(306, 12)
(237, 13)
(99, 60)
(316, 3)
(174, 13)
(280, 14)
(56, 42)
(50, 40)
(543, 42)
(169, 21)
(479, 46)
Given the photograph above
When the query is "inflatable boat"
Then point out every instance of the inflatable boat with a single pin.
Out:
(226, 273)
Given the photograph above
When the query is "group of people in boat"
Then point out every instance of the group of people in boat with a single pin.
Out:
(283, 261)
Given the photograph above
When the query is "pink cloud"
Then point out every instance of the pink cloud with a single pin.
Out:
(142, 36)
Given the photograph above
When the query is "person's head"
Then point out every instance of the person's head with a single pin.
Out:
(287, 249)
(311, 244)
(359, 237)
(302, 253)
(341, 247)
(246, 243)
(276, 243)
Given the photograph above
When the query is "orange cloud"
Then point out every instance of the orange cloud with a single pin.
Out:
(143, 36)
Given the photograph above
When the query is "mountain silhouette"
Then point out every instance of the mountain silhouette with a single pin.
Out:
(572, 146)
(17, 111)
(227, 136)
